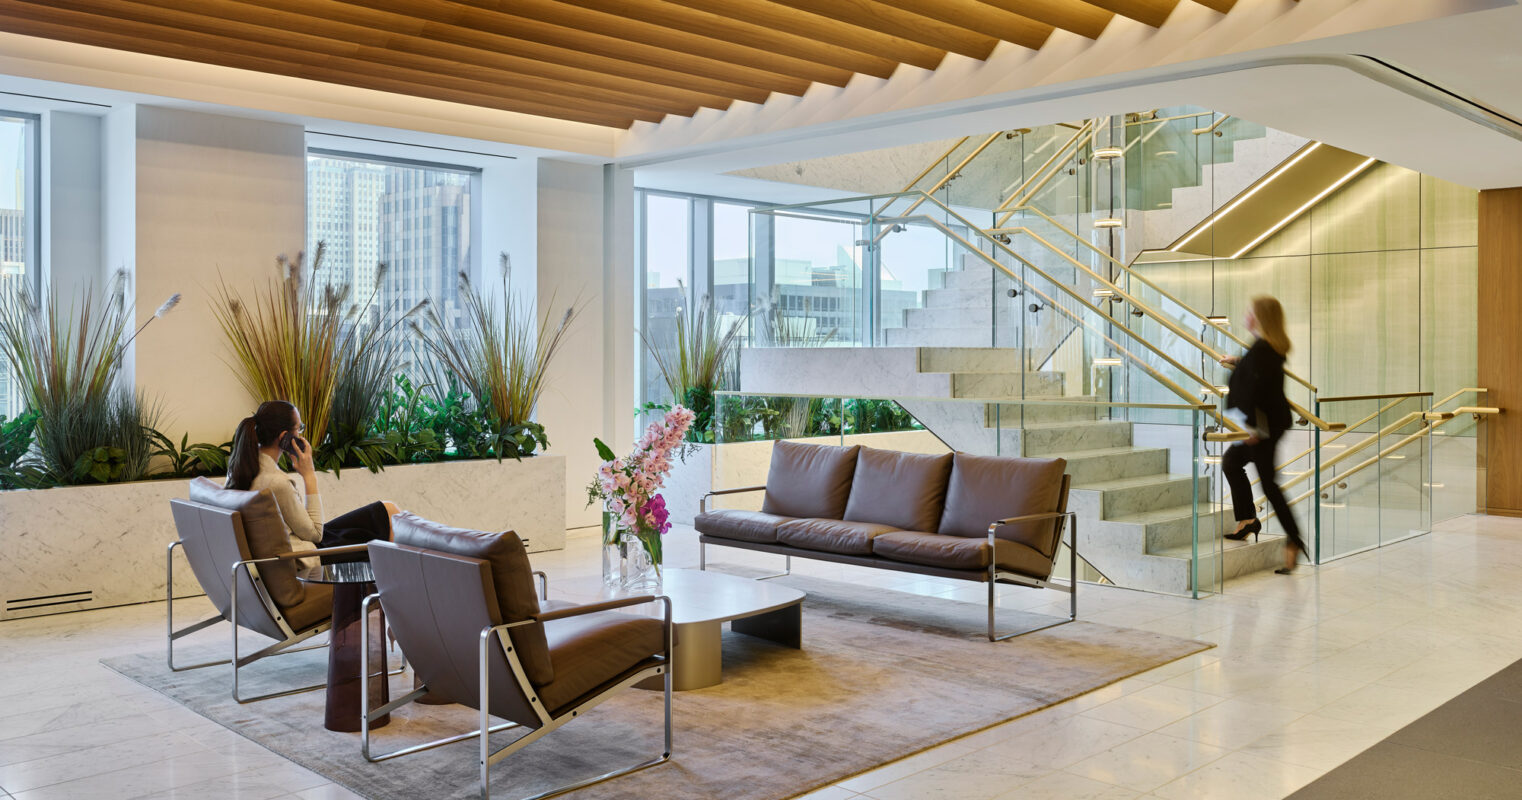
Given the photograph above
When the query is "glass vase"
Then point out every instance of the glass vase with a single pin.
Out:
(613, 559)
(642, 560)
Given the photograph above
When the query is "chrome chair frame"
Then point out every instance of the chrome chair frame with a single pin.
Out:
(996, 575)
(282, 647)
(787, 560)
(548, 723)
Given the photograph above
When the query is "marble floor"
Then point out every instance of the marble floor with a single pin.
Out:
(1310, 670)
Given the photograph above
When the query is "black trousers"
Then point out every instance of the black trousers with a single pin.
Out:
(360, 526)
(1261, 455)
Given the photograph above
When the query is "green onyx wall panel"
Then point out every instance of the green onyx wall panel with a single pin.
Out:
(1366, 314)
(1378, 210)
(1450, 214)
(1293, 240)
(1450, 334)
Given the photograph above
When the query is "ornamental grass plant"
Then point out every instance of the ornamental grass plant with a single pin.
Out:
(700, 360)
(499, 350)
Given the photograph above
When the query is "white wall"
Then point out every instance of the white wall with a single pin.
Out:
(589, 392)
(216, 197)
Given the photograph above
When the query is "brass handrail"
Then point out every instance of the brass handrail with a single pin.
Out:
(1084, 136)
(1213, 126)
(1041, 170)
(1233, 430)
(1352, 427)
(952, 173)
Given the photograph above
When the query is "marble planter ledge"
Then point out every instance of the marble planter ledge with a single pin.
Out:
(82, 547)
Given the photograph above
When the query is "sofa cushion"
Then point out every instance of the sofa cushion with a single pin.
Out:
(985, 489)
(905, 490)
(595, 649)
(809, 480)
(959, 552)
(264, 533)
(316, 607)
(745, 526)
(512, 579)
(831, 535)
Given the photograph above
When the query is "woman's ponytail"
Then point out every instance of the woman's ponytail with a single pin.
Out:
(274, 418)
(243, 463)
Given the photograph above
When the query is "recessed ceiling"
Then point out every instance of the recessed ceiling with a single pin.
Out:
(604, 62)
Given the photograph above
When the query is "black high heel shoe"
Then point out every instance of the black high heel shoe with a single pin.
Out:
(1255, 527)
(1290, 570)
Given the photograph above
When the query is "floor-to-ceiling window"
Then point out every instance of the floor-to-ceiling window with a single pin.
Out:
(18, 227)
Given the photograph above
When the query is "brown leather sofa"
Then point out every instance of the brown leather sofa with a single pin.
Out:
(978, 518)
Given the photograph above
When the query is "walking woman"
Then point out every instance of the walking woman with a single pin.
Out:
(258, 443)
(1256, 391)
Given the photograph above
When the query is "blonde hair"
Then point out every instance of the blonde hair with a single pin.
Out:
(1270, 316)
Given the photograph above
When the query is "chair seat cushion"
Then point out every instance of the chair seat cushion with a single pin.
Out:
(744, 526)
(831, 535)
(958, 552)
(315, 607)
(593, 650)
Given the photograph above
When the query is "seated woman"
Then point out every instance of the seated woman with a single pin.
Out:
(254, 466)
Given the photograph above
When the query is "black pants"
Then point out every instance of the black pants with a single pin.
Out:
(360, 526)
(1261, 455)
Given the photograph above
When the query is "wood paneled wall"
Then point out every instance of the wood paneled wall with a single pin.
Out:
(1500, 355)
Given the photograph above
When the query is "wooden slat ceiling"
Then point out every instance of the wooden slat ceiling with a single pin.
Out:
(604, 62)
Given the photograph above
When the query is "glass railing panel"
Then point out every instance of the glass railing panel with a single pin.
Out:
(1404, 471)
(1162, 154)
(1457, 478)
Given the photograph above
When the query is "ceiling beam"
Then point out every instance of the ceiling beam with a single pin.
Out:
(70, 26)
(982, 18)
(436, 62)
(577, 47)
(822, 29)
(715, 26)
(894, 21)
(638, 30)
(1147, 12)
(407, 34)
(1069, 15)
(1222, 6)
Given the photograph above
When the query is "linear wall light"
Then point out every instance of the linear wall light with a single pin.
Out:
(1107, 153)
(1107, 362)
(1271, 177)
(1297, 212)
(1108, 222)
(1219, 320)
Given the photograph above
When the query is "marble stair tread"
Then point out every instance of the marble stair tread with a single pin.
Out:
(1047, 439)
(942, 337)
(1134, 482)
(1163, 515)
(997, 386)
(1108, 499)
(1115, 462)
(968, 360)
(1236, 558)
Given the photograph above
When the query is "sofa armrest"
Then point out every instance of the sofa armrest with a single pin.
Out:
(703, 503)
(1054, 515)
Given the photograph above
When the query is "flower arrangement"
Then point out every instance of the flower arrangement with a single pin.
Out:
(629, 486)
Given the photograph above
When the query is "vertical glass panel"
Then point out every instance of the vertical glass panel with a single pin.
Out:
(731, 260)
(1449, 326)
(819, 274)
(18, 224)
(1402, 471)
(667, 238)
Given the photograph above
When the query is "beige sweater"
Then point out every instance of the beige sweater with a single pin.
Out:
(301, 512)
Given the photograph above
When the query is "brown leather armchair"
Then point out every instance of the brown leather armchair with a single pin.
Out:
(240, 553)
(456, 597)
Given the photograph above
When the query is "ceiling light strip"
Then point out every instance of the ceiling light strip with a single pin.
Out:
(1216, 217)
(1301, 210)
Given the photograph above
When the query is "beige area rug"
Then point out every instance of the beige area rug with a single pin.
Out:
(882, 675)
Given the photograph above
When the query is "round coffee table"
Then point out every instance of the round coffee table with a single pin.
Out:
(352, 582)
(701, 602)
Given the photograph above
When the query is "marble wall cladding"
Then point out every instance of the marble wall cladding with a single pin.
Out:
(690, 478)
(107, 543)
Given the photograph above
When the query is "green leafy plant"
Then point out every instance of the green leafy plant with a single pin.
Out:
(186, 460)
(100, 465)
(500, 353)
(699, 361)
(66, 364)
(17, 471)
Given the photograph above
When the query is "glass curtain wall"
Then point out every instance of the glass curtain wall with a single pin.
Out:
(415, 219)
(691, 248)
(19, 227)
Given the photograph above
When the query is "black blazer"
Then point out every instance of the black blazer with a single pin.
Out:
(1257, 388)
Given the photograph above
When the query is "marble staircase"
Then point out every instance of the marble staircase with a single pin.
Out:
(1136, 513)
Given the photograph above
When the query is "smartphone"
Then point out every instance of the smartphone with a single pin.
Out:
(290, 444)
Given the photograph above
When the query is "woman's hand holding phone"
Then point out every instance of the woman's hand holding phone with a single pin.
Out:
(300, 452)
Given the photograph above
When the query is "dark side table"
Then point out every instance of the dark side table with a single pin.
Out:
(352, 583)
